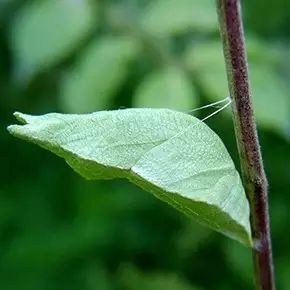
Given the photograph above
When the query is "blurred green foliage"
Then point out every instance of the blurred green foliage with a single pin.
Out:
(61, 232)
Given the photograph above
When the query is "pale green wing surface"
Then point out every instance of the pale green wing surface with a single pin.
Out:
(171, 154)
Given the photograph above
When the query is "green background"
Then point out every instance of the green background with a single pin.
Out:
(58, 231)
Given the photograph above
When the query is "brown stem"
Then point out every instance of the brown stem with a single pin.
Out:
(253, 174)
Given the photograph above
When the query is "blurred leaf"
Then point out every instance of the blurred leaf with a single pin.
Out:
(97, 75)
(45, 32)
(205, 60)
(261, 51)
(270, 93)
(168, 88)
(158, 17)
(132, 279)
(270, 96)
(174, 155)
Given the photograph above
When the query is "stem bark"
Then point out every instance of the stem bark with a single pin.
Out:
(252, 169)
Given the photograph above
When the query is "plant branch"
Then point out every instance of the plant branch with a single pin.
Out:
(254, 178)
